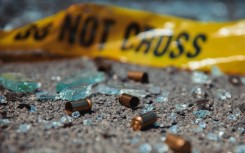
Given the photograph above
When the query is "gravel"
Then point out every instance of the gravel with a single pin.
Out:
(106, 128)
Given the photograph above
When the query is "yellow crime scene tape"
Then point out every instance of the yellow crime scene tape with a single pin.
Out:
(133, 36)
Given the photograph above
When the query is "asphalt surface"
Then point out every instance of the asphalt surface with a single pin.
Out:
(109, 130)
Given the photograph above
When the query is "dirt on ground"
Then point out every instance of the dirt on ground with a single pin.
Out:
(106, 128)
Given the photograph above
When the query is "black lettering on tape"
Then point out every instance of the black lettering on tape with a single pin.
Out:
(106, 29)
(146, 41)
(131, 28)
(41, 33)
(165, 48)
(88, 32)
(180, 46)
(70, 27)
(200, 37)
(22, 35)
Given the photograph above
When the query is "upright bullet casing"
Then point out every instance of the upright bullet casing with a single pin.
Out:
(129, 100)
(143, 121)
(178, 144)
(138, 76)
(80, 105)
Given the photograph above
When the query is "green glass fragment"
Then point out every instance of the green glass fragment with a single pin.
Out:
(45, 96)
(76, 93)
(85, 77)
(18, 82)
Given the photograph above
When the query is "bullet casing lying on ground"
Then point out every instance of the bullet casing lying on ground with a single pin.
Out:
(143, 121)
(178, 144)
(104, 67)
(138, 76)
(128, 100)
(80, 105)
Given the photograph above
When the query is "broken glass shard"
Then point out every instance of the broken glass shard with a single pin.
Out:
(232, 140)
(163, 97)
(23, 128)
(243, 80)
(32, 109)
(216, 72)
(44, 96)
(135, 92)
(194, 150)
(18, 82)
(223, 94)
(76, 93)
(107, 90)
(240, 148)
(221, 133)
(76, 114)
(232, 117)
(212, 136)
(155, 90)
(135, 140)
(99, 117)
(201, 113)
(84, 77)
(197, 129)
(160, 147)
(3, 99)
(173, 129)
(66, 120)
(202, 124)
(198, 92)
(87, 122)
(52, 124)
(145, 148)
(200, 77)
(55, 78)
(240, 130)
(163, 138)
(180, 107)
(173, 116)
(4, 122)
(147, 108)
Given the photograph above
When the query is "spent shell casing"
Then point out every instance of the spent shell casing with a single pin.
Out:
(143, 121)
(138, 76)
(80, 105)
(104, 67)
(129, 100)
(178, 144)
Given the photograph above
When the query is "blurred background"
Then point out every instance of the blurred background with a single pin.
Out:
(15, 13)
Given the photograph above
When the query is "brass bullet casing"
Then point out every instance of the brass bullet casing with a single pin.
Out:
(129, 100)
(138, 76)
(80, 105)
(235, 80)
(143, 121)
(104, 67)
(178, 144)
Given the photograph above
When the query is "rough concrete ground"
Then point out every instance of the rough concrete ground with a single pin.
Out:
(113, 132)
